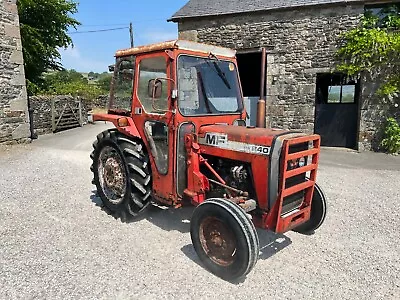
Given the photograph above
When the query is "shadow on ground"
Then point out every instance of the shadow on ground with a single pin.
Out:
(270, 244)
(179, 219)
(163, 217)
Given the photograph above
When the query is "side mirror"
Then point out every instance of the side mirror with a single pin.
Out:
(154, 88)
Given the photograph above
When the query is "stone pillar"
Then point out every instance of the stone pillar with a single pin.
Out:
(14, 117)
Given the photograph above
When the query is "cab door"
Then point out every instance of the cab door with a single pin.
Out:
(152, 114)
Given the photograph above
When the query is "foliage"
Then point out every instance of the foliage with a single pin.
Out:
(81, 89)
(70, 83)
(104, 81)
(374, 47)
(391, 142)
(64, 76)
(44, 25)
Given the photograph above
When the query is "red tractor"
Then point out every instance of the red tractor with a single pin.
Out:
(181, 137)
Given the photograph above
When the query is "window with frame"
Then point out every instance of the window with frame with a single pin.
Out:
(337, 89)
(121, 95)
(157, 136)
(150, 69)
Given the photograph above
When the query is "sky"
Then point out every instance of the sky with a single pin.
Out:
(95, 51)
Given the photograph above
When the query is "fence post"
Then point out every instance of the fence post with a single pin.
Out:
(53, 114)
(80, 112)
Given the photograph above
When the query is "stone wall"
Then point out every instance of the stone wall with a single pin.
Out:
(303, 42)
(14, 119)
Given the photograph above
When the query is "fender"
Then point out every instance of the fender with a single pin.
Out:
(122, 123)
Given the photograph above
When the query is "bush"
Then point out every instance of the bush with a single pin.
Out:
(76, 88)
(70, 82)
(391, 141)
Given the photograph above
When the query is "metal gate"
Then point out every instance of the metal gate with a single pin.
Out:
(66, 114)
(336, 110)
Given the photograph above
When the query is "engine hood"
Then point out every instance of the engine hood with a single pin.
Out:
(210, 134)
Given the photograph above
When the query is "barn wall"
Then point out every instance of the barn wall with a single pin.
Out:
(303, 43)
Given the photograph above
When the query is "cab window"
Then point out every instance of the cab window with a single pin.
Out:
(121, 94)
(152, 72)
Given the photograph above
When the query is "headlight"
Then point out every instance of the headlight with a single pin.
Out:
(296, 163)
(302, 162)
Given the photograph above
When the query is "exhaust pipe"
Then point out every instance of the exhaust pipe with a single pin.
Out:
(261, 110)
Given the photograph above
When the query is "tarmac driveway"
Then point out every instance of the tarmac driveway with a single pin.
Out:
(57, 243)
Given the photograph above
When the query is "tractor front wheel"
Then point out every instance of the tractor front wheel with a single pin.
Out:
(224, 238)
(121, 174)
(318, 212)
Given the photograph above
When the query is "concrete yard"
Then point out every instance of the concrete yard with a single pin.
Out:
(57, 243)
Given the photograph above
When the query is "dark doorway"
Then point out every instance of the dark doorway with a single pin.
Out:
(336, 110)
(249, 66)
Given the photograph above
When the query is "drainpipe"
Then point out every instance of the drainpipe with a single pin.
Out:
(261, 109)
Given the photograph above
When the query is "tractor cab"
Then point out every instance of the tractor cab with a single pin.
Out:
(168, 90)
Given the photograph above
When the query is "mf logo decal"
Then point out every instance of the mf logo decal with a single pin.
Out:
(221, 141)
(216, 139)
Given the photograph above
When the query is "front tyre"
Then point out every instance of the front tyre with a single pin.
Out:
(121, 173)
(224, 238)
(318, 213)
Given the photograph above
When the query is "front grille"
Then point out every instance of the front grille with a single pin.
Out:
(294, 201)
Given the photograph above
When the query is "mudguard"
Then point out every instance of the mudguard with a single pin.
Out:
(129, 129)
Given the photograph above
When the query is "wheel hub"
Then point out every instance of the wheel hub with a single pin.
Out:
(218, 241)
(112, 175)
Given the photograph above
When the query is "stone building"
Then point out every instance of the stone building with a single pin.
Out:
(14, 119)
(300, 37)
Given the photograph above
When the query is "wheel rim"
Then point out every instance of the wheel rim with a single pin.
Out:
(112, 175)
(218, 241)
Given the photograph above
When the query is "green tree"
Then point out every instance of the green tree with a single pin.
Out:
(44, 25)
(69, 82)
(63, 76)
(374, 47)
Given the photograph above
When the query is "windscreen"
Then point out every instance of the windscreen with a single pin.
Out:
(208, 86)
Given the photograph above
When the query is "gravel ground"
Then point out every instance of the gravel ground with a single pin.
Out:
(57, 243)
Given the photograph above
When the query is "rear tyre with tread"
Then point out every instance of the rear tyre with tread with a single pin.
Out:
(121, 173)
(224, 238)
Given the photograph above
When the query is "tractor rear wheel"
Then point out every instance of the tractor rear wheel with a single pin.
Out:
(121, 174)
(318, 212)
(224, 238)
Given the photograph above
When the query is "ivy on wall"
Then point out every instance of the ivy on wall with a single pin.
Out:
(374, 47)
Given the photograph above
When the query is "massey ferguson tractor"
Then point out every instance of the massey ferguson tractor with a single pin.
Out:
(181, 138)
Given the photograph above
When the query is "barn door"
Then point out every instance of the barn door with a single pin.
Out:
(336, 110)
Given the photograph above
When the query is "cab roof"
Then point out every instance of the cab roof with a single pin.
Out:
(178, 44)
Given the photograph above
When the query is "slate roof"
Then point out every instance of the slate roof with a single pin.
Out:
(202, 8)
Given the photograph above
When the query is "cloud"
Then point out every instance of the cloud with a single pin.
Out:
(72, 58)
